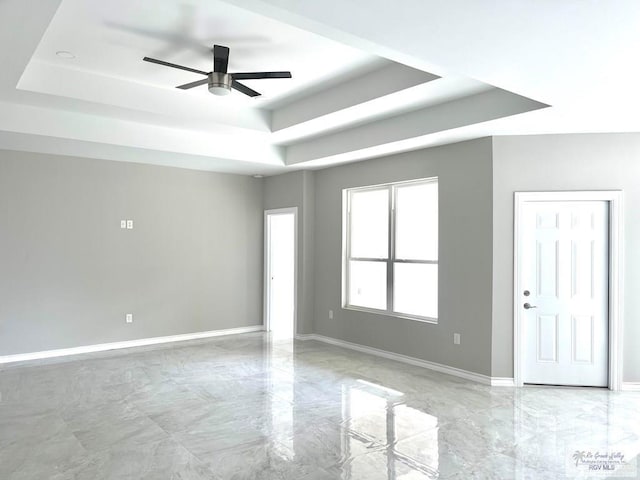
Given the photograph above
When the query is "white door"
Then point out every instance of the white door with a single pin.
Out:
(564, 297)
(280, 272)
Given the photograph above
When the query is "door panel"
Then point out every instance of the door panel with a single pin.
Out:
(582, 272)
(564, 266)
(547, 268)
(582, 329)
(547, 341)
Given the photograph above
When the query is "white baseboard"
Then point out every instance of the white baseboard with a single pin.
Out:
(630, 386)
(306, 336)
(502, 382)
(62, 352)
(438, 367)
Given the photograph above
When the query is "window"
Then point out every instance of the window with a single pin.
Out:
(391, 249)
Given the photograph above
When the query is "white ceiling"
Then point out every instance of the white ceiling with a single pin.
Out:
(111, 38)
(370, 77)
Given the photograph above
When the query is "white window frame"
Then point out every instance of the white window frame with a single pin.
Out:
(391, 255)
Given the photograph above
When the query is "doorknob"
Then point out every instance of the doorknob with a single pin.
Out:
(527, 306)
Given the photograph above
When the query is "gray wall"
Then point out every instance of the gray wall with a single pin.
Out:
(193, 262)
(464, 172)
(296, 189)
(68, 273)
(564, 162)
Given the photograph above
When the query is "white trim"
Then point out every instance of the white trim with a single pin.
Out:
(502, 382)
(616, 263)
(306, 336)
(267, 266)
(630, 386)
(438, 367)
(403, 316)
(101, 347)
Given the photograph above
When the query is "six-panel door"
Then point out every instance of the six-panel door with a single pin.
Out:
(565, 284)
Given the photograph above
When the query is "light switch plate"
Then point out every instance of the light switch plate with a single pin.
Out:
(123, 224)
(129, 224)
(129, 317)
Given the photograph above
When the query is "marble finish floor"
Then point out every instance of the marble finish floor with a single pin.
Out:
(247, 407)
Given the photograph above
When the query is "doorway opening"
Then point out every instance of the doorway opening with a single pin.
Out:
(280, 256)
(567, 288)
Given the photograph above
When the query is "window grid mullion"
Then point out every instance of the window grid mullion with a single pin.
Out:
(392, 247)
(409, 260)
(368, 259)
(348, 270)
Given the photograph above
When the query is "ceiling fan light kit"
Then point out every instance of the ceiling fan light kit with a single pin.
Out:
(219, 81)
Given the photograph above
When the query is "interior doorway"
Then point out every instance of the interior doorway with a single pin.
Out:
(280, 272)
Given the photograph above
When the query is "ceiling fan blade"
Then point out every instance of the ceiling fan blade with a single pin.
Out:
(244, 89)
(220, 58)
(173, 65)
(258, 75)
(187, 86)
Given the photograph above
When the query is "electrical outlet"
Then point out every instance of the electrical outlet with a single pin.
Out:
(123, 224)
(330, 314)
(456, 339)
(129, 318)
(129, 224)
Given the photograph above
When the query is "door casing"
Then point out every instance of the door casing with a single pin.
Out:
(267, 267)
(616, 236)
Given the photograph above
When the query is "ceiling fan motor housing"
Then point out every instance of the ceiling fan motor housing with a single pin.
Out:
(220, 83)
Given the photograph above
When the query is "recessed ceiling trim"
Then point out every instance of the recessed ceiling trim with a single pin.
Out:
(428, 94)
(388, 79)
(25, 142)
(255, 148)
(469, 110)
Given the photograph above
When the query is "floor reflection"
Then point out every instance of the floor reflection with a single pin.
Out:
(377, 415)
(251, 407)
(393, 423)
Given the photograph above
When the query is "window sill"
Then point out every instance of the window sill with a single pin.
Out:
(415, 318)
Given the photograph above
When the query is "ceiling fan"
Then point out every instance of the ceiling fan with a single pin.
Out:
(220, 82)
